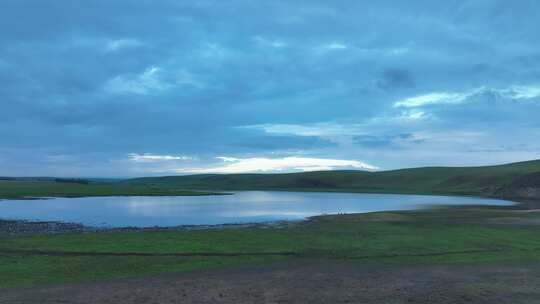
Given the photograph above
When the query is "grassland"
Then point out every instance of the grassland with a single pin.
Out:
(469, 235)
(520, 181)
(16, 189)
(513, 181)
(436, 236)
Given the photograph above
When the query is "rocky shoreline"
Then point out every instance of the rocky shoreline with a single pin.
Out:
(17, 227)
(30, 227)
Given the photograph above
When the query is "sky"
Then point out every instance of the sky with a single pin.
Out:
(143, 88)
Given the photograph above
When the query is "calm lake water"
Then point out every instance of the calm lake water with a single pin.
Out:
(242, 207)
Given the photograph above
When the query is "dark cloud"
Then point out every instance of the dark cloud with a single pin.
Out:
(396, 79)
(84, 83)
(385, 141)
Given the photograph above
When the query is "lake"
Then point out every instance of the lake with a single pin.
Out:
(241, 207)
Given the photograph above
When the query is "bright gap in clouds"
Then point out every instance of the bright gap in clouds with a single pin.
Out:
(511, 93)
(146, 157)
(287, 164)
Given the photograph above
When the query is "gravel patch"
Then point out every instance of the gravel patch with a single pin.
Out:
(313, 281)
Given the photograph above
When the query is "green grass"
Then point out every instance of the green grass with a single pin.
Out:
(503, 180)
(511, 181)
(13, 189)
(32, 270)
(455, 235)
(452, 235)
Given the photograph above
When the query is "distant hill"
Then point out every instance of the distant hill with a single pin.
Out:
(512, 181)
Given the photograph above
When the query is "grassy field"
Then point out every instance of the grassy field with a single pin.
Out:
(454, 235)
(451, 235)
(13, 189)
(510, 181)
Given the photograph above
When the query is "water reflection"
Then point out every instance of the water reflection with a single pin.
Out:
(242, 207)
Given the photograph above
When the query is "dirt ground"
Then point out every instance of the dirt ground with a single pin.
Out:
(300, 281)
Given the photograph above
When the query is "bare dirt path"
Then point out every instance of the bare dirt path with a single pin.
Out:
(301, 281)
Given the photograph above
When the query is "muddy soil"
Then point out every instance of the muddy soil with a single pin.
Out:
(301, 281)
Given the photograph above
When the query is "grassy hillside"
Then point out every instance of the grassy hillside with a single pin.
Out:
(29, 188)
(517, 180)
(520, 181)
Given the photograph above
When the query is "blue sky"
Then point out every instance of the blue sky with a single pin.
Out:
(131, 88)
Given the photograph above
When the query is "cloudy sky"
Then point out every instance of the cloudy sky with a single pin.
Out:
(132, 88)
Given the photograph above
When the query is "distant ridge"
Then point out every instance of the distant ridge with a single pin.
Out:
(520, 181)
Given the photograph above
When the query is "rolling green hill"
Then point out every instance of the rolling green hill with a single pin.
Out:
(25, 188)
(516, 181)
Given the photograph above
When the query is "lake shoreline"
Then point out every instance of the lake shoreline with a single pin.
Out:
(27, 227)
(21, 227)
(470, 234)
(191, 193)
